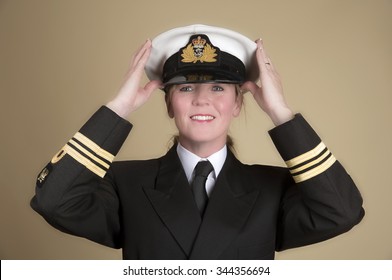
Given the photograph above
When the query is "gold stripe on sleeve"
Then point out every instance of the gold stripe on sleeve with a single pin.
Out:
(311, 163)
(90, 155)
(306, 156)
(94, 147)
(315, 171)
(84, 161)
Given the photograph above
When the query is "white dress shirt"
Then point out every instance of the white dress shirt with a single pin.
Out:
(189, 161)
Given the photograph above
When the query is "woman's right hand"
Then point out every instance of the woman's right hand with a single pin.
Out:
(131, 95)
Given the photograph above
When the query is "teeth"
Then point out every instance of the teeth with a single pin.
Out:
(202, 118)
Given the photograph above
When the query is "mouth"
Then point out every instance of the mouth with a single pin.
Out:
(202, 118)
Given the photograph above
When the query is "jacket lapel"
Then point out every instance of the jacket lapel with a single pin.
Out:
(172, 199)
(227, 211)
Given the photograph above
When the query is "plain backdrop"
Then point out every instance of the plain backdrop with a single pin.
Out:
(61, 60)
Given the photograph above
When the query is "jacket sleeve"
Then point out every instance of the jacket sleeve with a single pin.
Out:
(322, 201)
(73, 192)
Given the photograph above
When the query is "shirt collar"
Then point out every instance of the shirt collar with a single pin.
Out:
(189, 160)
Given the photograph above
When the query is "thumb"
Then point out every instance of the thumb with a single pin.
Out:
(249, 86)
(152, 85)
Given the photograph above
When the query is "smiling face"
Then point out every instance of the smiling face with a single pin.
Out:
(203, 113)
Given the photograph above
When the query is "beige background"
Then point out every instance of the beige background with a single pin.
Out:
(60, 60)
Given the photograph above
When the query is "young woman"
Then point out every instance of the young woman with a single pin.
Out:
(160, 208)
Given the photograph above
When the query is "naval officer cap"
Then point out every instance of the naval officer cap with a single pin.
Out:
(202, 54)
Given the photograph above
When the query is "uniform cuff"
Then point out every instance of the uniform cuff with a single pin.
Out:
(304, 153)
(97, 143)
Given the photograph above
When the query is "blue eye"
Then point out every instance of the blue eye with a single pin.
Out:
(217, 88)
(186, 89)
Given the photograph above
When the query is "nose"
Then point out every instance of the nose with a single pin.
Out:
(200, 96)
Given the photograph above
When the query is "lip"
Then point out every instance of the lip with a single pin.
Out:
(202, 118)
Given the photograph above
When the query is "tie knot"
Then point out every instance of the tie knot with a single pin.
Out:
(203, 168)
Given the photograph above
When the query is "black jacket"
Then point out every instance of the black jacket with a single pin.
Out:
(147, 208)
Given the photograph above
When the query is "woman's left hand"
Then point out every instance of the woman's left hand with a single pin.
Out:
(269, 95)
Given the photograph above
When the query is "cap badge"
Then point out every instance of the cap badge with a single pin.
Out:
(198, 49)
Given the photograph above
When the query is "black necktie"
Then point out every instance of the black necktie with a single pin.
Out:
(202, 169)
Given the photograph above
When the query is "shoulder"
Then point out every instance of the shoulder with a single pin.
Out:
(267, 173)
(259, 172)
(122, 165)
(128, 169)
(134, 168)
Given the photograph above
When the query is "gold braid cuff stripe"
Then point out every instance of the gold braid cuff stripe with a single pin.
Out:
(311, 163)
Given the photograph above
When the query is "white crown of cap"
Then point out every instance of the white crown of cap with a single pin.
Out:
(168, 43)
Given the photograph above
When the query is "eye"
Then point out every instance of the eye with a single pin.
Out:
(185, 88)
(217, 88)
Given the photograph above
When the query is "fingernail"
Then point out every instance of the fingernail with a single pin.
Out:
(260, 41)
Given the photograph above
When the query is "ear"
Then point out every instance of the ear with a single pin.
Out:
(237, 110)
(169, 104)
(170, 111)
(238, 105)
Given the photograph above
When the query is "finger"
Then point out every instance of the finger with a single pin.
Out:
(264, 61)
(135, 54)
(140, 61)
(140, 52)
(144, 55)
(261, 56)
(269, 64)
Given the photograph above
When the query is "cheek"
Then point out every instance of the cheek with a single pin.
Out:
(178, 107)
(230, 108)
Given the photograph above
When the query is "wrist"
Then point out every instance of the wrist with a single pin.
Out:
(281, 115)
(118, 108)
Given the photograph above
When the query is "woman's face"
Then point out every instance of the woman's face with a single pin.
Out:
(203, 112)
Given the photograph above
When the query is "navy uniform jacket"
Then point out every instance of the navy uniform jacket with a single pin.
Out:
(146, 207)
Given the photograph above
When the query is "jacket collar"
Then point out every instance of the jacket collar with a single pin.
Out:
(228, 208)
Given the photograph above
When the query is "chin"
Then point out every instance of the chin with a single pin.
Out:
(204, 139)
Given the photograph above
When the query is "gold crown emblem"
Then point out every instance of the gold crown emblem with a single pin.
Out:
(198, 50)
(199, 42)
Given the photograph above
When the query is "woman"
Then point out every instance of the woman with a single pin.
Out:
(161, 208)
